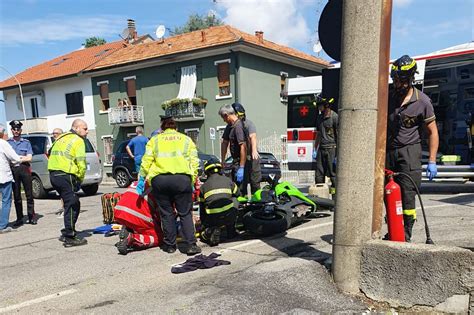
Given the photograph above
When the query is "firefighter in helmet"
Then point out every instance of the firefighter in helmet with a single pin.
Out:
(327, 122)
(217, 203)
(409, 111)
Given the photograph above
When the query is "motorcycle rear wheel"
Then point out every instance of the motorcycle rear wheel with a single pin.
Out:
(261, 224)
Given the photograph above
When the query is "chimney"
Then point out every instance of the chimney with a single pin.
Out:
(132, 30)
(203, 36)
(259, 35)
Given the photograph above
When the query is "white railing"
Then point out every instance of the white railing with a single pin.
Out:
(186, 112)
(276, 144)
(127, 115)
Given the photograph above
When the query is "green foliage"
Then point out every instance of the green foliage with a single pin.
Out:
(197, 101)
(94, 41)
(197, 22)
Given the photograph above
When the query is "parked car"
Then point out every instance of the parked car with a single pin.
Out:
(40, 144)
(268, 164)
(123, 167)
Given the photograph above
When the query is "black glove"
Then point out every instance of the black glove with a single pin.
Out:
(76, 184)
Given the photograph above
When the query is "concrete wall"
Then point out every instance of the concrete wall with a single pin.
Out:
(51, 97)
(405, 274)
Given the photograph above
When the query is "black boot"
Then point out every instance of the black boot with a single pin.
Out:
(408, 222)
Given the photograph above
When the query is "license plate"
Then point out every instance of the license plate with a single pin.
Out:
(88, 167)
(268, 165)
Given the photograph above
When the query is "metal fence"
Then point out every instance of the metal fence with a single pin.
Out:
(276, 144)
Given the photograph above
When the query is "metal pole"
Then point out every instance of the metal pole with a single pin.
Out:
(384, 59)
(361, 21)
(21, 94)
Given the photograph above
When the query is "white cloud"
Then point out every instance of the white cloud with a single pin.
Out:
(413, 29)
(59, 28)
(402, 3)
(281, 21)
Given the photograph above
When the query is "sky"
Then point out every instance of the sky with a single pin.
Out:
(34, 31)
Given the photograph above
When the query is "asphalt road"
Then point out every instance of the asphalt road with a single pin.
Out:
(280, 274)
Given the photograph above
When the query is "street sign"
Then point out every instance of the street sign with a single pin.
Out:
(212, 133)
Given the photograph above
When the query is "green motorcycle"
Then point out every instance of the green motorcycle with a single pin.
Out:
(274, 208)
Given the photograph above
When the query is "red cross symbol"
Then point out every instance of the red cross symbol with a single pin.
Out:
(304, 111)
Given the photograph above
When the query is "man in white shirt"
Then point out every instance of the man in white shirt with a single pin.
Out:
(7, 156)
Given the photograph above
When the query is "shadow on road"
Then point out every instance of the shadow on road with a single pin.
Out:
(466, 200)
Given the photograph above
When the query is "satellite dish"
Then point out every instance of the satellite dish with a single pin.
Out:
(160, 31)
(125, 33)
(317, 47)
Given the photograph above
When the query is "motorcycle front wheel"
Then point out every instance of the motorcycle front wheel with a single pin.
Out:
(265, 224)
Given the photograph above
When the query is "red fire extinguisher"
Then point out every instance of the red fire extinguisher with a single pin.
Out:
(394, 208)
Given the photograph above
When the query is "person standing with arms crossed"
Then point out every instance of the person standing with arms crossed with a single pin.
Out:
(22, 175)
(409, 111)
(138, 145)
(171, 165)
(67, 167)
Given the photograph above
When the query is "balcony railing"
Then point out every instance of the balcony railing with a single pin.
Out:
(126, 116)
(186, 112)
(35, 125)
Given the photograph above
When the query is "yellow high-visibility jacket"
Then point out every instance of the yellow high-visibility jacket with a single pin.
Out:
(170, 152)
(68, 154)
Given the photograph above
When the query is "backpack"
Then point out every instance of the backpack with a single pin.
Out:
(109, 200)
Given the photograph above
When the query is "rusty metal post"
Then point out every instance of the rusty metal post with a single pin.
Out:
(384, 59)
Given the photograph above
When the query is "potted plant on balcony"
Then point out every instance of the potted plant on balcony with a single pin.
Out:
(179, 107)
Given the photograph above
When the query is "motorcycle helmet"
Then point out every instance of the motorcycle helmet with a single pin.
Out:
(211, 166)
(239, 110)
(404, 68)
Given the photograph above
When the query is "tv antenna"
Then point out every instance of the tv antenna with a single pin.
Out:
(125, 33)
(160, 32)
(317, 47)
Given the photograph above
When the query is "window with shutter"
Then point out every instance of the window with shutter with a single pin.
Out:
(223, 76)
(104, 96)
(131, 91)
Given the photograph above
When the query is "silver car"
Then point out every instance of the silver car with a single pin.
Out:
(41, 184)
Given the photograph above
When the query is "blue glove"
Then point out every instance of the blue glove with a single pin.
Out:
(240, 175)
(431, 170)
(315, 154)
(141, 186)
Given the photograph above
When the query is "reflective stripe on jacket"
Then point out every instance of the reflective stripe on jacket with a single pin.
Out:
(68, 154)
(217, 194)
(170, 152)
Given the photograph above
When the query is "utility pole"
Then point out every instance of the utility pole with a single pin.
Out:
(358, 112)
(21, 93)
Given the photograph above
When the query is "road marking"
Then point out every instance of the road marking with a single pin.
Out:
(292, 231)
(36, 301)
(435, 206)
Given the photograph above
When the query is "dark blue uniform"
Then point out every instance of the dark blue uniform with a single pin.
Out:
(22, 174)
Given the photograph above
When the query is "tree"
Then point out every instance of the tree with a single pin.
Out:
(197, 22)
(94, 41)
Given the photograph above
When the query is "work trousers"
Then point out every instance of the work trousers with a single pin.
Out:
(406, 159)
(325, 165)
(252, 175)
(174, 191)
(22, 175)
(226, 218)
(64, 184)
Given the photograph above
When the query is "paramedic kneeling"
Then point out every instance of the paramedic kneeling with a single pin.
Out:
(217, 204)
(171, 165)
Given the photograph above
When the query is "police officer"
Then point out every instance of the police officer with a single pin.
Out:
(171, 165)
(252, 170)
(217, 204)
(409, 111)
(326, 125)
(67, 167)
(22, 175)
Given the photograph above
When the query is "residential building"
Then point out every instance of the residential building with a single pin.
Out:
(208, 68)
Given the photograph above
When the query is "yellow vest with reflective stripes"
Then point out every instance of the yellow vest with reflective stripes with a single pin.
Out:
(170, 152)
(68, 154)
